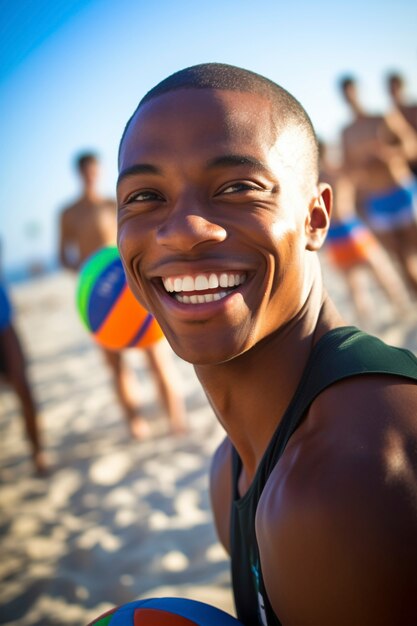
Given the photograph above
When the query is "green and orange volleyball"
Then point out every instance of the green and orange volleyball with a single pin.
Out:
(108, 307)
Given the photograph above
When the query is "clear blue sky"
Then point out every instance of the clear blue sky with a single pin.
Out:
(71, 73)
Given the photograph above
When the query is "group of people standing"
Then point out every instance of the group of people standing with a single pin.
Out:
(375, 187)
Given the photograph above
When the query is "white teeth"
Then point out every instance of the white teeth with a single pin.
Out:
(224, 280)
(200, 299)
(202, 282)
(213, 281)
(168, 284)
(187, 284)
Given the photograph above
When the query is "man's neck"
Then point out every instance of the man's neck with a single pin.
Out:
(250, 393)
(91, 194)
(358, 111)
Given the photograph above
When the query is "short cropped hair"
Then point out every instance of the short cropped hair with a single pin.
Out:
(84, 158)
(231, 78)
(395, 77)
(347, 81)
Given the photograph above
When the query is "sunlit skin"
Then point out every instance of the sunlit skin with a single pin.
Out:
(88, 223)
(210, 183)
(219, 205)
(378, 151)
(187, 205)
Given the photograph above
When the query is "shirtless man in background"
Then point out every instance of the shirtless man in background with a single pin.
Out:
(86, 226)
(396, 89)
(355, 251)
(88, 223)
(376, 151)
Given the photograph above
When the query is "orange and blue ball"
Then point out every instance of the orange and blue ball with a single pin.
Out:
(109, 309)
(166, 612)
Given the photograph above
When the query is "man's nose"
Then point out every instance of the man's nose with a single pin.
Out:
(187, 227)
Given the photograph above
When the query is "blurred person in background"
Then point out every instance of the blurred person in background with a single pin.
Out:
(376, 153)
(13, 368)
(354, 250)
(87, 225)
(396, 86)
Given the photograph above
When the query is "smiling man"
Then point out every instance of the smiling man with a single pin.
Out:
(220, 216)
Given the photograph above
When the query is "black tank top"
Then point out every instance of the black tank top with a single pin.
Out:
(339, 354)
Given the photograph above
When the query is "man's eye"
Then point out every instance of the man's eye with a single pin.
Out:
(236, 187)
(144, 196)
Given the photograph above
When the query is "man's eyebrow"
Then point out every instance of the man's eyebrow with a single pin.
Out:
(234, 160)
(139, 168)
(226, 160)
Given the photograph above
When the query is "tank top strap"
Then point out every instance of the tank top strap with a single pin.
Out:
(341, 353)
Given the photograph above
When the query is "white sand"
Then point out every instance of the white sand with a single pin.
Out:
(116, 520)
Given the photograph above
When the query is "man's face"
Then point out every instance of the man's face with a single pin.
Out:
(395, 88)
(350, 94)
(90, 172)
(212, 207)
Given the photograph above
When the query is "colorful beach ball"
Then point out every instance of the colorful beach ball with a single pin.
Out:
(107, 306)
(166, 612)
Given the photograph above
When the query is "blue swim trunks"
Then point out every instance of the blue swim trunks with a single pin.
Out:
(394, 209)
(349, 243)
(5, 309)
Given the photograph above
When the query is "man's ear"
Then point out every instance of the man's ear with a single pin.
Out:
(318, 219)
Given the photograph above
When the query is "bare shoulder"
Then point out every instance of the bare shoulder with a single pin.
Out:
(70, 212)
(336, 522)
(69, 208)
(110, 203)
(397, 122)
(221, 490)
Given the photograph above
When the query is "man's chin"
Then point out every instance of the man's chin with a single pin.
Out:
(206, 351)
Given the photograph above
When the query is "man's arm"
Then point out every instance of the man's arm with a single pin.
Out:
(336, 524)
(66, 240)
(397, 124)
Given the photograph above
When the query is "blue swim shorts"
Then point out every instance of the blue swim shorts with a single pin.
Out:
(394, 209)
(5, 309)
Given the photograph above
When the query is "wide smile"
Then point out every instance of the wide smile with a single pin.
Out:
(203, 287)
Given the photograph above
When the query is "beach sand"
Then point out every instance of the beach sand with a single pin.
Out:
(115, 520)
